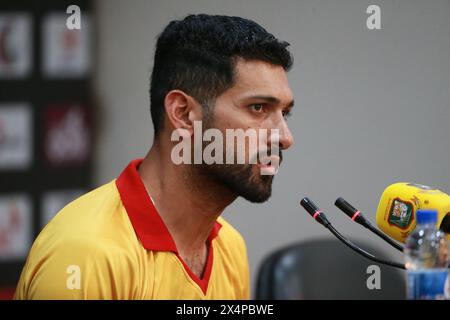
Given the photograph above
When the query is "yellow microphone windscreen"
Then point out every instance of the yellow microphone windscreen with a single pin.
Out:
(396, 213)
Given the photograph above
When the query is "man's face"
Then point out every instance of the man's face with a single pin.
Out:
(260, 99)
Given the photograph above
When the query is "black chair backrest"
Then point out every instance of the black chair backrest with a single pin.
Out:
(326, 269)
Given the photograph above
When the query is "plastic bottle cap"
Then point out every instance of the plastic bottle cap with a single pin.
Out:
(427, 216)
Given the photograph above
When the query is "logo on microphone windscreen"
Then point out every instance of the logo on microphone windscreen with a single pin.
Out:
(401, 213)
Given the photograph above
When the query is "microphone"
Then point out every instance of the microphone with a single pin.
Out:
(396, 213)
(314, 211)
(320, 217)
(358, 217)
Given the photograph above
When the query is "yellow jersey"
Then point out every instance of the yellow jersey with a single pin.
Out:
(111, 243)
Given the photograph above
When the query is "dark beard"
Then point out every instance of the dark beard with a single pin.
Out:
(243, 180)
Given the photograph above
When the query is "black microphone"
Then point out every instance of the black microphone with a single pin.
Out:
(314, 211)
(320, 217)
(358, 217)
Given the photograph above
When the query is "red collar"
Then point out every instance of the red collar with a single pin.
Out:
(146, 221)
(148, 225)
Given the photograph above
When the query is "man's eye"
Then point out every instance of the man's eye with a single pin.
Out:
(257, 107)
(286, 113)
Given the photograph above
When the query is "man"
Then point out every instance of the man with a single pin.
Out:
(156, 232)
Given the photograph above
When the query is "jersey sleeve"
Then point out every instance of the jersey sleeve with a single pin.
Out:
(76, 269)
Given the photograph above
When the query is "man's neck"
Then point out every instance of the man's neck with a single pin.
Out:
(189, 205)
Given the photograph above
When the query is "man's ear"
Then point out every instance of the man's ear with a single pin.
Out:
(182, 110)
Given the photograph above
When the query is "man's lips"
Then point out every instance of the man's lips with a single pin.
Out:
(269, 165)
(270, 161)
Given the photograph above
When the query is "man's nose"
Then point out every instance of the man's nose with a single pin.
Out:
(285, 137)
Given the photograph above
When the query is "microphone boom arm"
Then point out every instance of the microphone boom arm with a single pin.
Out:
(320, 217)
(364, 253)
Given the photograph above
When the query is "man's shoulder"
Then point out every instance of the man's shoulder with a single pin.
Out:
(92, 229)
(100, 197)
(94, 217)
(91, 205)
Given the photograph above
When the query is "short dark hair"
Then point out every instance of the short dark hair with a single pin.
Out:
(197, 55)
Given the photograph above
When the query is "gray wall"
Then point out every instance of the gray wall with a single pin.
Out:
(372, 107)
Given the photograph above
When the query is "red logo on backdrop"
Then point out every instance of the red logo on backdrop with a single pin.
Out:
(10, 226)
(15, 226)
(67, 137)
